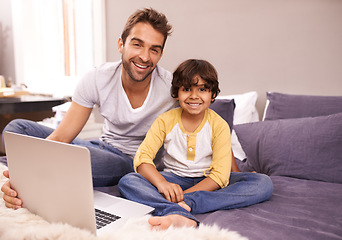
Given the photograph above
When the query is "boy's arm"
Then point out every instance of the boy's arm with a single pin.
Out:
(206, 184)
(222, 155)
(235, 167)
(172, 192)
(143, 162)
(209, 184)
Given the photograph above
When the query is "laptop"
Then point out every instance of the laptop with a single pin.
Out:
(54, 181)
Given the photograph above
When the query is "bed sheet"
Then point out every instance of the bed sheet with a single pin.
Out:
(298, 209)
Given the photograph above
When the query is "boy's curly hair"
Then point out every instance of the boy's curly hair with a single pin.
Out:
(186, 72)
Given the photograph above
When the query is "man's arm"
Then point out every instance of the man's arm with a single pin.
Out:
(71, 124)
(10, 196)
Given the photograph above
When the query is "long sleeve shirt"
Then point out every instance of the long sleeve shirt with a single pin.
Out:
(204, 152)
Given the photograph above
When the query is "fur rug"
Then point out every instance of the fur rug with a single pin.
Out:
(21, 224)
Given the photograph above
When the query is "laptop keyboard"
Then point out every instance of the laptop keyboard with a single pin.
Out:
(104, 218)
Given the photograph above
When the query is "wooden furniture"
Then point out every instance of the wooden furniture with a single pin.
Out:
(32, 107)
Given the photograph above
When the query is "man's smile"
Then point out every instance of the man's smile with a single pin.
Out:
(140, 65)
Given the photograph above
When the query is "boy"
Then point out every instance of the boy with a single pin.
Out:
(198, 157)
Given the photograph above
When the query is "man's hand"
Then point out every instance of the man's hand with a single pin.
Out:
(10, 196)
(171, 191)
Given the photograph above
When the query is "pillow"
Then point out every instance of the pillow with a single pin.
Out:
(307, 148)
(245, 112)
(283, 106)
(224, 108)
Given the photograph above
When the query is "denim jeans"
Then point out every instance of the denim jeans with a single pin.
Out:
(108, 164)
(244, 189)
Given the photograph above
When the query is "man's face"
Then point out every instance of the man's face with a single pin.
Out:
(141, 52)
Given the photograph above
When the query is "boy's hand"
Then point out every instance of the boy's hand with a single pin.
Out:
(171, 191)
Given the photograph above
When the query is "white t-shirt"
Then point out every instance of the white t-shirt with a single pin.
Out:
(124, 127)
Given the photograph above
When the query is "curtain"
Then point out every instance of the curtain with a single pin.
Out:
(49, 37)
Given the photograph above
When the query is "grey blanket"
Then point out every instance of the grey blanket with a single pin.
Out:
(298, 209)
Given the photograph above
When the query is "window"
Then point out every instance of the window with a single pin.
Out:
(56, 42)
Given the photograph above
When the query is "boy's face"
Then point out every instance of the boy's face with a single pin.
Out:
(196, 99)
(141, 52)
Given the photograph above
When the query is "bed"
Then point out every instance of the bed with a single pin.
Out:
(298, 143)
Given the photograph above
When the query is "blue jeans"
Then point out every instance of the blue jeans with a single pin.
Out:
(244, 189)
(108, 164)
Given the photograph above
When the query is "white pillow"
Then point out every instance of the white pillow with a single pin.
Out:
(245, 112)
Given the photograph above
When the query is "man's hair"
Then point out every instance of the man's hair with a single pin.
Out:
(186, 72)
(148, 15)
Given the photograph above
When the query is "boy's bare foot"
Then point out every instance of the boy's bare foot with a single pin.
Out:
(163, 223)
(185, 206)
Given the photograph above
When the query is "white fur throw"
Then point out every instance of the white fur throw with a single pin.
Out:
(21, 224)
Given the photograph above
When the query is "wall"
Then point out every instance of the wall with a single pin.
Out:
(7, 68)
(290, 46)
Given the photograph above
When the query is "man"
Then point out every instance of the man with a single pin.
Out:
(130, 94)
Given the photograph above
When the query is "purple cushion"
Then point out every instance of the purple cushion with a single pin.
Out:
(307, 148)
(224, 108)
(284, 106)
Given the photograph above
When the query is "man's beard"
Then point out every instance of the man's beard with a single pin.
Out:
(128, 68)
